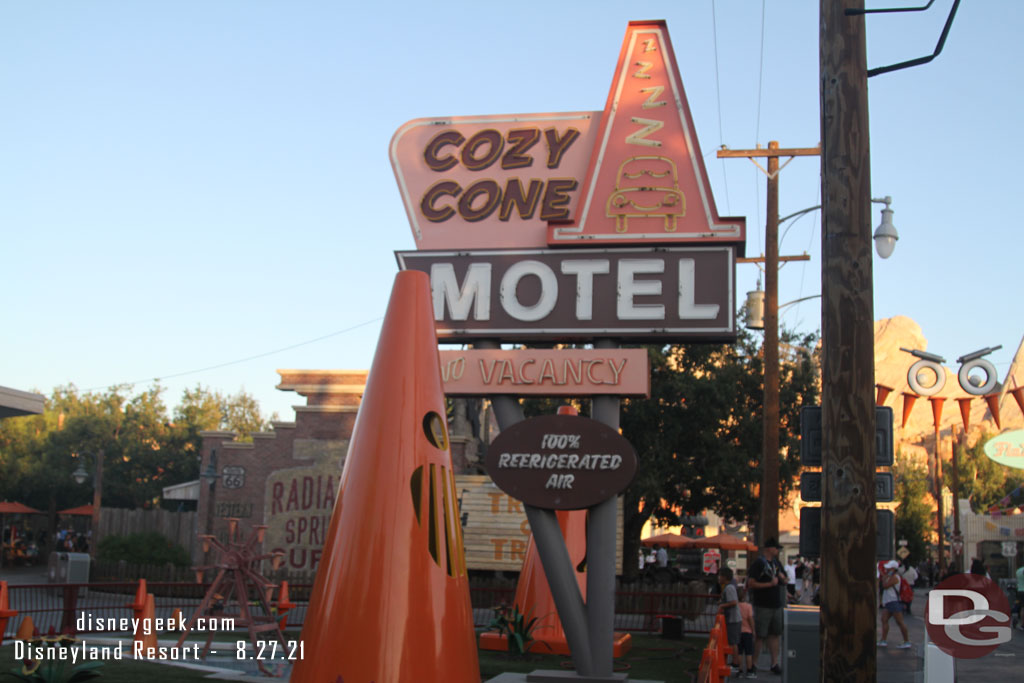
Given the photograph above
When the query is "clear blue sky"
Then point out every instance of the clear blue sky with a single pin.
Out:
(186, 184)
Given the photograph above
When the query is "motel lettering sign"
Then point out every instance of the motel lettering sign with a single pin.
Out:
(573, 226)
(666, 293)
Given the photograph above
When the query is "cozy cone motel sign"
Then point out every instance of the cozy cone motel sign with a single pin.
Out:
(573, 226)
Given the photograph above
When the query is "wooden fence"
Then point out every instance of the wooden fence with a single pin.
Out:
(179, 527)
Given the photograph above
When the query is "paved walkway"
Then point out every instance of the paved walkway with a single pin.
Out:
(1003, 665)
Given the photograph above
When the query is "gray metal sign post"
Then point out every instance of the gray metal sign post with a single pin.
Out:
(589, 627)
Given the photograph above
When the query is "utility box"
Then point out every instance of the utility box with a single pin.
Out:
(78, 567)
(68, 568)
(800, 643)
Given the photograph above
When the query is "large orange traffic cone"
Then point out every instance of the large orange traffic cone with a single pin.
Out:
(533, 595)
(5, 610)
(391, 597)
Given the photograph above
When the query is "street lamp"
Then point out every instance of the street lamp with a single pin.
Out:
(885, 235)
(80, 475)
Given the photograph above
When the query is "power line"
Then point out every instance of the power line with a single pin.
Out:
(242, 360)
(718, 95)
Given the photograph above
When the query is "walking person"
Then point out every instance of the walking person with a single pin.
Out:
(1018, 607)
(909, 575)
(791, 579)
(889, 582)
(767, 583)
(729, 606)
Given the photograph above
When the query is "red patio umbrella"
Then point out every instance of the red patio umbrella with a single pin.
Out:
(7, 508)
(724, 542)
(81, 510)
(670, 540)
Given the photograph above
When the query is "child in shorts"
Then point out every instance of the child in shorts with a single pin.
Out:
(745, 652)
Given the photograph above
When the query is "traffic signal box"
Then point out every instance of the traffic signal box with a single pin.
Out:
(811, 483)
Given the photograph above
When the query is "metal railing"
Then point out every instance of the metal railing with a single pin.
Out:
(99, 607)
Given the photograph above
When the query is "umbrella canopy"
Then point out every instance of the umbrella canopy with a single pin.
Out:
(724, 542)
(670, 540)
(17, 508)
(82, 510)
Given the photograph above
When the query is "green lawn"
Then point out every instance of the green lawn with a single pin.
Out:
(651, 658)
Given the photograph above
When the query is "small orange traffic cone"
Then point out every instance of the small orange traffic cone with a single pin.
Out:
(5, 610)
(284, 604)
(139, 603)
(176, 618)
(405, 614)
(26, 629)
(146, 623)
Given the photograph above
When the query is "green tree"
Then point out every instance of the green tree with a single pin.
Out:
(982, 480)
(143, 449)
(699, 435)
(203, 409)
(913, 516)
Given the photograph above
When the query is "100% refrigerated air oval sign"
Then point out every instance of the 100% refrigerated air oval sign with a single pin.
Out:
(561, 462)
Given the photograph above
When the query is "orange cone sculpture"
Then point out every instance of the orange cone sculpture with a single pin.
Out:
(391, 598)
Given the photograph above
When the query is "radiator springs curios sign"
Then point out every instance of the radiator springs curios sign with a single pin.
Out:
(561, 462)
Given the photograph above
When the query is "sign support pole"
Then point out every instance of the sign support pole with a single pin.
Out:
(601, 552)
(554, 556)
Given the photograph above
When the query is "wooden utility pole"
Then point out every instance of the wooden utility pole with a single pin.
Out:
(769, 526)
(849, 594)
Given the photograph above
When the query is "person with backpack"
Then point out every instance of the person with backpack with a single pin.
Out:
(889, 583)
(909, 577)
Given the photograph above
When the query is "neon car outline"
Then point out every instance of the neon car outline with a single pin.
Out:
(626, 202)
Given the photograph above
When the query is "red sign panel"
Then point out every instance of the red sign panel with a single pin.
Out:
(546, 372)
(630, 174)
(475, 182)
(646, 180)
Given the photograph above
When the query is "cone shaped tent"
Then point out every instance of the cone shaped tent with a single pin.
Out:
(391, 597)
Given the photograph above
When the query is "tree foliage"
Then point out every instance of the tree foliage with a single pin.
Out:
(699, 436)
(914, 515)
(982, 480)
(143, 449)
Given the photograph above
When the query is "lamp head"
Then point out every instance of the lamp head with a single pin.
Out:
(80, 474)
(885, 235)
